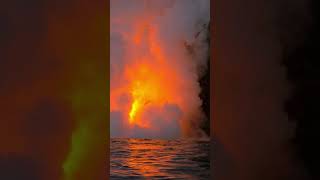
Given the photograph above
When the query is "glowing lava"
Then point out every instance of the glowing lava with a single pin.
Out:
(154, 77)
(158, 52)
(144, 91)
(151, 80)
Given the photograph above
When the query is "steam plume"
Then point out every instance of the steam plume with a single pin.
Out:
(158, 53)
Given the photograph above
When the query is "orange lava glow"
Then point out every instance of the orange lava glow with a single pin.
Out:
(150, 80)
(158, 53)
(147, 88)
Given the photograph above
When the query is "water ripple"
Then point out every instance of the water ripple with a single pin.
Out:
(159, 159)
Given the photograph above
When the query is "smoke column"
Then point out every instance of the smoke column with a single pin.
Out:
(53, 84)
(251, 88)
(158, 53)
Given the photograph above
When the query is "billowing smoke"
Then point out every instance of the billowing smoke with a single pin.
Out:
(53, 74)
(251, 88)
(158, 54)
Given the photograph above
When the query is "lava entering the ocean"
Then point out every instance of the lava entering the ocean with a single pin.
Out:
(154, 79)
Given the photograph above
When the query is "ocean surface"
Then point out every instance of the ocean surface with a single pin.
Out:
(159, 159)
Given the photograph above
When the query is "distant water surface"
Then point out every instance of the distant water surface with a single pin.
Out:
(159, 159)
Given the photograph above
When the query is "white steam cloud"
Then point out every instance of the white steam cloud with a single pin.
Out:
(181, 33)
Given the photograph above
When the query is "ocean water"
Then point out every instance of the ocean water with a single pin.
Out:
(159, 159)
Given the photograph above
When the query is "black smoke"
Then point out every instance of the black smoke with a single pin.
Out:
(204, 82)
(302, 61)
(250, 88)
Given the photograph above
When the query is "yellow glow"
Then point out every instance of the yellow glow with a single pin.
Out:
(133, 111)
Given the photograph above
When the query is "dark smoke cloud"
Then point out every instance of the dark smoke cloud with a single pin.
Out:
(250, 90)
(23, 26)
(16, 168)
(301, 57)
(40, 55)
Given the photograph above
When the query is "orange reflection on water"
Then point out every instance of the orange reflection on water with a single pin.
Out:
(159, 159)
(142, 158)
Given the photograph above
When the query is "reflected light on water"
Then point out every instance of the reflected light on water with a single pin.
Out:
(158, 159)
